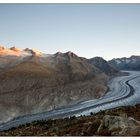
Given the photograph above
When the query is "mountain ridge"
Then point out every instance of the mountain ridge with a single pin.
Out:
(103, 65)
(31, 83)
(126, 63)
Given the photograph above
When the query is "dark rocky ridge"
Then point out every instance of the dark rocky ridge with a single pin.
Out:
(104, 66)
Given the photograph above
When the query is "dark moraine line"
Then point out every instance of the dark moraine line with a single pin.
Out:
(56, 114)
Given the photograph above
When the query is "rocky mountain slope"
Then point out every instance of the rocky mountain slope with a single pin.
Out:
(104, 66)
(131, 63)
(33, 82)
(121, 121)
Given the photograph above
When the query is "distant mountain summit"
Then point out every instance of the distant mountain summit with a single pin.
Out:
(104, 66)
(33, 51)
(130, 63)
(9, 51)
(14, 51)
(2, 47)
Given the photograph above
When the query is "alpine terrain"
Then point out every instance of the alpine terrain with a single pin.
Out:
(36, 87)
(32, 82)
(131, 63)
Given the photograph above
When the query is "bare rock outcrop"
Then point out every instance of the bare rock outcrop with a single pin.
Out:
(14, 48)
(120, 125)
(1, 47)
(33, 52)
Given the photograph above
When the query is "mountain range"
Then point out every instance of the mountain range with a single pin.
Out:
(33, 82)
(130, 63)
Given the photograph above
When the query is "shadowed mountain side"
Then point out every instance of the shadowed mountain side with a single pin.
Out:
(41, 83)
(104, 66)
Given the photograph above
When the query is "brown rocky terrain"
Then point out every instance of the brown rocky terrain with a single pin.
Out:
(121, 121)
(31, 82)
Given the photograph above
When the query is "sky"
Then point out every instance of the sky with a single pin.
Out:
(88, 30)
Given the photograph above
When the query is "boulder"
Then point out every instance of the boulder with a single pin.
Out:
(118, 125)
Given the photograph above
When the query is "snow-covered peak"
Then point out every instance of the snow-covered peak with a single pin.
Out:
(9, 51)
(14, 51)
(1, 47)
(118, 61)
(33, 51)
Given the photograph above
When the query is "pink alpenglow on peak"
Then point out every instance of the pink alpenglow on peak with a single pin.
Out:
(14, 51)
(9, 51)
(33, 51)
(1, 47)
(36, 52)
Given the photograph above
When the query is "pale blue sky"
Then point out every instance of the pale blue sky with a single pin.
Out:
(107, 30)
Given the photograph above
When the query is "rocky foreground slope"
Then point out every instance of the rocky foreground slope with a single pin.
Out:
(121, 121)
(33, 82)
